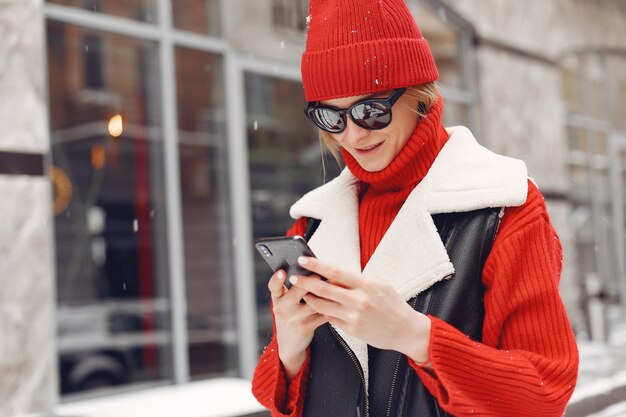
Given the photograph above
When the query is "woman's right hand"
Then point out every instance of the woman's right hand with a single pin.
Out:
(295, 323)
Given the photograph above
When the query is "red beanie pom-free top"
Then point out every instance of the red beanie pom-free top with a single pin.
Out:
(357, 47)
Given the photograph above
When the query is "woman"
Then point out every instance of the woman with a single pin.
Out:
(442, 265)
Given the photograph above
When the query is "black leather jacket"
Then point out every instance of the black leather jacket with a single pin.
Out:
(336, 386)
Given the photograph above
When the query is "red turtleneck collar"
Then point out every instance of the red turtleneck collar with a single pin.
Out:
(412, 162)
(383, 192)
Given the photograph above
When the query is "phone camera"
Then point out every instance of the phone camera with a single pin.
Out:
(265, 250)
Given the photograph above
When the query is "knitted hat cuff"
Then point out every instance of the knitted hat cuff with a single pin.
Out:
(366, 67)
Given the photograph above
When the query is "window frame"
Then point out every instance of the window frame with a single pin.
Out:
(594, 163)
(167, 39)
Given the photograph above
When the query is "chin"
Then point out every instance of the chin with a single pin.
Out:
(373, 166)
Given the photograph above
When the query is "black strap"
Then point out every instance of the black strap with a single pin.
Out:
(311, 227)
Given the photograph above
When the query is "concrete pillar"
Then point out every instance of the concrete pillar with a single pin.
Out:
(28, 365)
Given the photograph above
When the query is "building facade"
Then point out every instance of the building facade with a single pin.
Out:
(146, 143)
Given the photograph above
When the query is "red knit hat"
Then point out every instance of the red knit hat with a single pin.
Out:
(357, 47)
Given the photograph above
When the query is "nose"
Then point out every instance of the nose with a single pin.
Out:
(353, 133)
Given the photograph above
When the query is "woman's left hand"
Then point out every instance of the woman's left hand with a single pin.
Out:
(368, 309)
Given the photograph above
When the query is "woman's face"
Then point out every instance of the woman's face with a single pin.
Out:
(375, 149)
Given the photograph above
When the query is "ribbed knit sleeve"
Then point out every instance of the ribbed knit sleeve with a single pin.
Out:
(269, 384)
(527, 362)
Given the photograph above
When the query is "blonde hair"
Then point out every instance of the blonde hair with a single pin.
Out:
(424, 94)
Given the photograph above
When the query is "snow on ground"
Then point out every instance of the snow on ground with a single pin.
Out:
(602, 375)
(602, 360)
(219, 397)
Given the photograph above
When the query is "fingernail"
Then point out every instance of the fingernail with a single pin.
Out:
(293, 279)
(281, 275)
(303, 260)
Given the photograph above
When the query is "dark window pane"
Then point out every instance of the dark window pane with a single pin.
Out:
(111, 244)
(206, 214)
(285, 163)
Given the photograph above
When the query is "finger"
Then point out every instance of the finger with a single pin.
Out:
(276, 284)
(324, 306)
(332, 273)
(323, 289)
(294, 295)
(302, 313)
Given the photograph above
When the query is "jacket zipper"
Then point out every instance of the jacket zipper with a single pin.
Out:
(393, 386)
(395, 374)
(500, 215)
(358, 366)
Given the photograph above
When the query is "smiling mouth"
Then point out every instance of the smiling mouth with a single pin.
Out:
(369, 148)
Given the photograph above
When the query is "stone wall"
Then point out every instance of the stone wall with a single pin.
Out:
(522, 113)
(547, 28)
(27, 326)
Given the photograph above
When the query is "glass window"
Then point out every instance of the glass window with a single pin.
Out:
(142, 10)
(202, 16)
(449, 38)
(579, 177)
(577, 139)
(206, 214)
(111, 240)
(594, 72)
(290, 14)
(444, 41)
(285, 163)
(616, 69)
(571, 84)
(591, 92)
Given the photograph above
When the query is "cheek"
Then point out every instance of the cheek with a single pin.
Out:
(337, 140)
(404, 127)
(402, 138)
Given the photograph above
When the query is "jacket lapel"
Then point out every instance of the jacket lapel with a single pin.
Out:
(336, 239)
(411, 256)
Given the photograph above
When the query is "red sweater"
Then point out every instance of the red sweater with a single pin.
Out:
(527, 362)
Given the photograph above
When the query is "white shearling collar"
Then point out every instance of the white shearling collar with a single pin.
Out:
(465, 176)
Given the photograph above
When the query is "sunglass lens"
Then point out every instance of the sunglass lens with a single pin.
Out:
(327, 119)
(372, 116)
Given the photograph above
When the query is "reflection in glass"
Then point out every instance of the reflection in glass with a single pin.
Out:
(285, 163)
(142, 10)
(202, 16)
(206, 214)
(112, 284)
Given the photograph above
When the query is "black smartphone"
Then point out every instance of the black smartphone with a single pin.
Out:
(283, 252)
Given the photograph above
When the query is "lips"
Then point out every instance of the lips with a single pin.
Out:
(368, 149)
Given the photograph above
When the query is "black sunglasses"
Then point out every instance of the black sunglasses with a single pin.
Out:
(371, 113)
